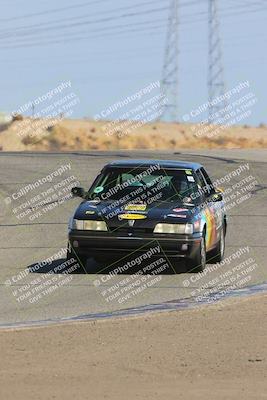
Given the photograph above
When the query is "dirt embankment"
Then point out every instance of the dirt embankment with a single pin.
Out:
(43, 135)
(217, 352)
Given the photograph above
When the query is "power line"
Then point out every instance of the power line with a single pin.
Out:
(110, 19)
(97, 21)
(63, 9)
(104, 29)
(68, 40)
(28, 29)
(72, 38)
(53, 11)
(222, 14)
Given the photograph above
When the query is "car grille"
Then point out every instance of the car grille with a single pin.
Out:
(126, 230)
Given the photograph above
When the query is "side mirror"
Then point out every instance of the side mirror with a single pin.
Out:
(216, 197)
(78, 192)
(219, 189)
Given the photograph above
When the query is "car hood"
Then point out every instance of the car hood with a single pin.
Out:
(143, 214)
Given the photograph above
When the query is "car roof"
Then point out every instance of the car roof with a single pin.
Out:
(147, 163)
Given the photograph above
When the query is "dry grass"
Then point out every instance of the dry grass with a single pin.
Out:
(90, 135)
(63, 138)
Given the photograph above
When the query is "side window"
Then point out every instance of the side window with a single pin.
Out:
(203, 184)
(207, 178)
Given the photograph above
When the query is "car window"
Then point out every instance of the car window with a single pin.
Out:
(128, 178)
(208, 180)
(204, 186)
(168, 185)
(201, 180)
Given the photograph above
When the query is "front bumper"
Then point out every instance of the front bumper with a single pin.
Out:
(109, 245)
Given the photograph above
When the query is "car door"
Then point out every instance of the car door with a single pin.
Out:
(212, 211)
(217, 205)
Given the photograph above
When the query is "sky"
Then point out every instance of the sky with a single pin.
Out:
(110, 49)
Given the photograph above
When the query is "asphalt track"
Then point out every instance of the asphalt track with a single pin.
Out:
(25, 242)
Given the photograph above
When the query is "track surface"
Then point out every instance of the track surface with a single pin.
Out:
(24, 242)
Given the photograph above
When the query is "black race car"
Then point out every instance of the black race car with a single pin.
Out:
(132, 204)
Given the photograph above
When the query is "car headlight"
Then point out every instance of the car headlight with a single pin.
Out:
(85, 225)
(174, 228)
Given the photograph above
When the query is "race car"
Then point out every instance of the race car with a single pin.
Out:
(132, 204)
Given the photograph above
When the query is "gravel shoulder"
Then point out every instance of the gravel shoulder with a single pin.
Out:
(218, 350)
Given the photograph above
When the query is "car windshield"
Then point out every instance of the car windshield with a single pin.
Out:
(145, 185)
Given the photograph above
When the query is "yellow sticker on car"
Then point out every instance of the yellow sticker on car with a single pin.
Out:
(135, 207)
(132, 216)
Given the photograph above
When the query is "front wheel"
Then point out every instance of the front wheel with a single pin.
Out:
(217, 254)
(198, 263)
(78, 259)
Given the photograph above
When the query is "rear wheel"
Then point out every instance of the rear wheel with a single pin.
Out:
(198, 263)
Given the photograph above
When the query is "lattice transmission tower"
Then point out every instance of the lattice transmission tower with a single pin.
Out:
(216, 84)
(170, 75)
(169, 82)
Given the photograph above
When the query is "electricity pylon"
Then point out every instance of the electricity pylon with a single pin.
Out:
(169, 82)
(216, 85)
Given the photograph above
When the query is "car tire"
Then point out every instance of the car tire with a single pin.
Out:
(175, 266)
(82, 261)
(217, 254)
(198, 263)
